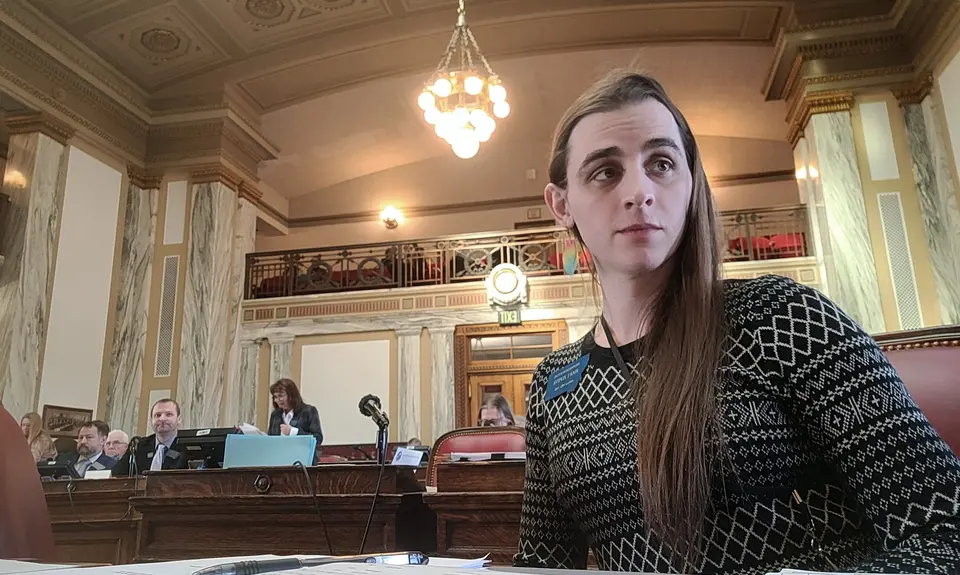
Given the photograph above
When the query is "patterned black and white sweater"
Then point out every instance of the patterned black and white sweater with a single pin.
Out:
(807, 402)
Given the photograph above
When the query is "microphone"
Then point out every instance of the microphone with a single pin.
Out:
(370, 406)
(290, 563)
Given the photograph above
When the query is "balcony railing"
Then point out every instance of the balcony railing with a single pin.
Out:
(748, 235)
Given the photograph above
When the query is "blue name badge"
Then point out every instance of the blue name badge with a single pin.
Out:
(566, 379)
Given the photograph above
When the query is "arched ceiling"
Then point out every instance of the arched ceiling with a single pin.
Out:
(333, 83)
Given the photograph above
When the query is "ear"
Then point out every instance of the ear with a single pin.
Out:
(556, 199)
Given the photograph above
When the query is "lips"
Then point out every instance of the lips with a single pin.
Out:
(641, 227)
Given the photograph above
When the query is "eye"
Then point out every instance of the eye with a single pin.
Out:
(661, 165)
(605, 174)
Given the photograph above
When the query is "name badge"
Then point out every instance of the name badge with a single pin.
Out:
(566, 379)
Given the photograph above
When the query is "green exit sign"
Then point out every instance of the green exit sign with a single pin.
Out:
(509, 317)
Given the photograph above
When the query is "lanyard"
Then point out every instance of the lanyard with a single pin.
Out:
(624, 370)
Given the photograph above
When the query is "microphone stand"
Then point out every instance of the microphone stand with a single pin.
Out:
(381, 444)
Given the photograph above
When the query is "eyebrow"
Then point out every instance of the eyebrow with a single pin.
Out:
(612, 151)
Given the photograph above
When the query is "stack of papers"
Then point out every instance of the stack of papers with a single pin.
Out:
(247, 429)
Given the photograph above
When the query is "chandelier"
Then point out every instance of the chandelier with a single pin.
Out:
(464, 95)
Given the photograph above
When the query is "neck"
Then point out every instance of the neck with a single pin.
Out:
(165, 437)
(627, 304)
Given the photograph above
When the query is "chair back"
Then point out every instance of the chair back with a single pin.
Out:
(475, 440)
(25, 531)
(928, 362)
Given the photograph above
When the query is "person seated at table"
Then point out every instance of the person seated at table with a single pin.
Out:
(89, 455)
(291, 416)
(157, 451)
(41, 444)
(709, 425)
(116, 445)
(496, 412)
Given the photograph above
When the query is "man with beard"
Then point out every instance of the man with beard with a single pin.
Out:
(157, 451)
(89, 455)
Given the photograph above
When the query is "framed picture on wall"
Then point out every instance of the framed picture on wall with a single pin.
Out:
(64, 421)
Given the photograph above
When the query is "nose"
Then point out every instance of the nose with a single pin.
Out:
(636, 189)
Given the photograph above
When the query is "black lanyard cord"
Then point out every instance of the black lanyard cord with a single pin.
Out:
(624, 370)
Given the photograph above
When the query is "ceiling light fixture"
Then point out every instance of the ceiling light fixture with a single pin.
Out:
(463, 95)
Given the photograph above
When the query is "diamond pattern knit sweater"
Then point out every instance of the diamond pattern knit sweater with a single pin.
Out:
(807, 402)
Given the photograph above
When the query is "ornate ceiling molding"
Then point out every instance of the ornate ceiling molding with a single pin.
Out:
(250, 193)
(216, 173)
(143, 179)
(915, 92)
(39, 122)
(818, 103)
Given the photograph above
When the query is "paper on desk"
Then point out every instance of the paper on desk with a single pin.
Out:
(167, 568)
(455, 567)
(9, 566)
(247, 429)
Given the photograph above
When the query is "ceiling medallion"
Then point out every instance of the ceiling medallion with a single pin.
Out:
(160, 40)
(463, 94)
(265, 9)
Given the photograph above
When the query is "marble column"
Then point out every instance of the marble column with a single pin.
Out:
(937, 192)
(442, 380)
(281, 357)
(206, 304)
(132, 305)
(852, 271)
(248, 376)
(244, 236)
(33, 180)
(408, 388)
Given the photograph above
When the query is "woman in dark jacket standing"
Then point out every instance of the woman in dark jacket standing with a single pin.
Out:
(291, 416)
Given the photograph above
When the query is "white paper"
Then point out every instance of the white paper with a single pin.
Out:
(407, 457)
(247, 429)
(382, 569)
(487, 456)
(186, 567)
(8, 566)
(449, 563)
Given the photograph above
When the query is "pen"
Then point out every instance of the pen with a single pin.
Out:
(255, 567)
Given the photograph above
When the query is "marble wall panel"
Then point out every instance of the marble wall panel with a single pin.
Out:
(248, 375)
(132, 305)
(206, 328)
(937, 192)
(442, 380)
(34, 178)
(408, 386)
(244, 236)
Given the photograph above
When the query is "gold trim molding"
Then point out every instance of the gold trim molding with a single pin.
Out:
(914, 93)
(39, 122)
(142, 178)
(816, 103)
(249, 193)
(213, 173)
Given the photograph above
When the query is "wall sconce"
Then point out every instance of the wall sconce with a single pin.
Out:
(391, 217)
(14, 179)
(803, 174)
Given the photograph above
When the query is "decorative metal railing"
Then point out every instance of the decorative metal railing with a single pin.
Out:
(748, 235)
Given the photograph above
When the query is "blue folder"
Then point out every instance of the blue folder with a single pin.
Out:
(268, 450)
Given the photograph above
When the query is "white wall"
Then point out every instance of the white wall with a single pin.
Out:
(334, 376)
(81, 285)
(949, 81)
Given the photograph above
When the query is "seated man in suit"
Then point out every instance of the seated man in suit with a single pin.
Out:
(157, 451)
(89, 455)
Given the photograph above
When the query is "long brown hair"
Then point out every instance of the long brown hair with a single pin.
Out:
(293, 393)
(36, 426)
(675, 392)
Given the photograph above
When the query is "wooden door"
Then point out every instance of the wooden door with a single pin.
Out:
(515, 387)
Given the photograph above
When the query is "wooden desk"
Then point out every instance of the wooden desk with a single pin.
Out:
(92, 520)
(478, 509)
(191, 514)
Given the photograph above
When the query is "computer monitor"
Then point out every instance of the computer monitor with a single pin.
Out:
(53, 470)
(204, 447)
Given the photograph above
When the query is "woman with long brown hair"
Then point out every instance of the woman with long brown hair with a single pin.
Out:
(291, 416)
(41, 444)
(710, 426)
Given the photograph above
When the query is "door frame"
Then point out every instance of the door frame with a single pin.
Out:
(461, 357)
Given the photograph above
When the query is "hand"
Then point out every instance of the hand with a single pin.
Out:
(284, 429)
